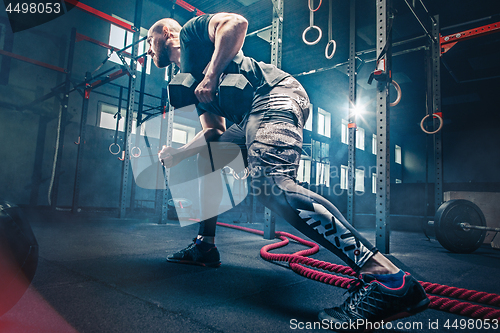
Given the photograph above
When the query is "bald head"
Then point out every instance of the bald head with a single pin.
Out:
(171, 24)
(164, 43)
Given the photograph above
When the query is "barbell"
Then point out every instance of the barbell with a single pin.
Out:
(460, 226)
(234, 92)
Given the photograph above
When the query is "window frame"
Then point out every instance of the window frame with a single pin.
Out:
(398, 154)
(344, 133)
(360, 138)
(374, 182)
(344, 173)
(325, 167)
(127, 40)
(357, 180)
(326, 129)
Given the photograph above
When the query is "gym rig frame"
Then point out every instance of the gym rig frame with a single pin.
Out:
(436, 45)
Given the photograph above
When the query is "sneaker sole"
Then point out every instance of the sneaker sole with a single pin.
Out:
(410, 311)
(195, 263)
(421, 306)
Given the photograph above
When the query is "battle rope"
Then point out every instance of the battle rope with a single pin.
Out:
(296, 260)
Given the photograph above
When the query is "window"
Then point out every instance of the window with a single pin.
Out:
(320, 150)
(107, 118)
(179, 136)
(360, 138)
(397, 155)
(374, 144)
(323, 174)
(120, 38)
(309, 122)
(399, 181)
(344, 132)
(182, 134)
(324, 122)
(374, 183)
(344, 170)
(359, 183)
(304, 171)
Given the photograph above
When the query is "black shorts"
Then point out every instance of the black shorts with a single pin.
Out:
(270, 136)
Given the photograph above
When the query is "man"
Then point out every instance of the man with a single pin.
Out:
(270, 136)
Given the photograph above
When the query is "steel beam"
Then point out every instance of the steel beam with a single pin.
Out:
(101, 15)
(382, 202)
(63, 118)
(32, 61)
(276, 54)
(81, 145)
(130, 114)
(277, 33)
(188, 7)
(447, 42)
(139, 120)
(351, 72)
(436, 108)
(166, 130)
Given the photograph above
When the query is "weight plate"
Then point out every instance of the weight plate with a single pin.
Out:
(450, 234)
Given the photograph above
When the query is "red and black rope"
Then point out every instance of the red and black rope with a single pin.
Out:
(298, 259)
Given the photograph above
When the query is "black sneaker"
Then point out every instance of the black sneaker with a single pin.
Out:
(371, 302)
(194, 256)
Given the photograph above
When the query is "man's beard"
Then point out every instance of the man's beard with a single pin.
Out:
(163, 58)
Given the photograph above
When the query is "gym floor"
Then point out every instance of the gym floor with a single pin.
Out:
(100, 274)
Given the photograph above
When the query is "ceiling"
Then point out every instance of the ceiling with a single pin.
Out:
(470, 71)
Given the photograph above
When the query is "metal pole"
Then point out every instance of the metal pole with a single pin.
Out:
(130, 113)
(436, 107)
(418, 19)
(276, 52)
(166, 130)
(64, 106)
(383, 148)
(81, 146)
(140, 108)
(351, 72)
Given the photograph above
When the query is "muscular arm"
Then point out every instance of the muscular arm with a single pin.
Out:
(227, 32)
(212, 128)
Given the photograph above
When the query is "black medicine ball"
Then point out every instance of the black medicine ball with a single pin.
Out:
(18, 255)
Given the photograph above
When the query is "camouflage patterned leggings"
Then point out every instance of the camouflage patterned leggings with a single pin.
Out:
(271, 140)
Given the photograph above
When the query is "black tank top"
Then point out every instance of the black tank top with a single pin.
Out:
(196, 52)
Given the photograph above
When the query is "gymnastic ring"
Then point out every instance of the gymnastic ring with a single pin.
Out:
(333, 51)
(309, 5)
(111, 150)
(305, 32)
(440, 123)
(135, 155)
(230, 172)
(246, 173)
(398, 89)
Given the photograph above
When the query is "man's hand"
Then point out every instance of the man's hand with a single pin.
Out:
(169, 157)
(205, 91)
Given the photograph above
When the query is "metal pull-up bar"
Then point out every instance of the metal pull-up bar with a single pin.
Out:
(101, 15)
(447, 42)
(32, 61)
(188, 7)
